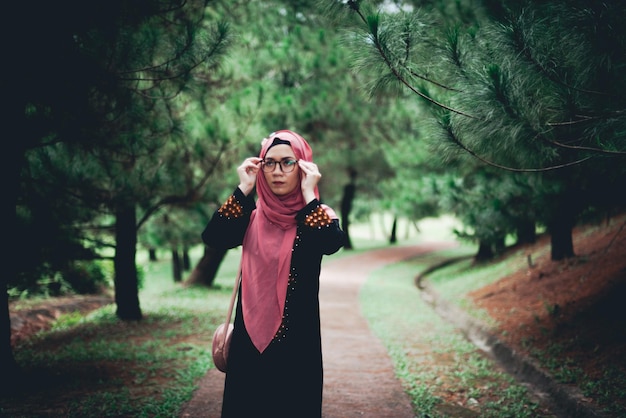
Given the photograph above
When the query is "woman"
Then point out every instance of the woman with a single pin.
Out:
(275, 357)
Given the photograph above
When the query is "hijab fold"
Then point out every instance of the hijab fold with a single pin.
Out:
(267, 247)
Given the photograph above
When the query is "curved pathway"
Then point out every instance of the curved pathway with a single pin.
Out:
(359, 378)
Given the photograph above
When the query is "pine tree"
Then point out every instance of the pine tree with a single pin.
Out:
(96, 83)
(527, 87)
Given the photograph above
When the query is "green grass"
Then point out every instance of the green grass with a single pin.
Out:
(98, 366)
(433, 360)
(452, 283)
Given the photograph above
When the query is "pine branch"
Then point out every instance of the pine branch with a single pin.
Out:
(373, 30)
(583, 148)
(465, 148)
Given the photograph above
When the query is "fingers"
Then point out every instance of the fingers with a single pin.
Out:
(250, 165)
(310, 178)
(309, 168)
(311, 173)
(247, 172)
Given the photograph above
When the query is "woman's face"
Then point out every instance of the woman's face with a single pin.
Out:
(282, 183)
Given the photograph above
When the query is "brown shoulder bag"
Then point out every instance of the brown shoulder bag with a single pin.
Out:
(223, 334)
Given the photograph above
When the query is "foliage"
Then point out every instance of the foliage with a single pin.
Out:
(522, 87)
(108, 133)
(77, 277)
(501, 84)
(491, 204)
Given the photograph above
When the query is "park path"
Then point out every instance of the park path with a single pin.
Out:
(359, 378)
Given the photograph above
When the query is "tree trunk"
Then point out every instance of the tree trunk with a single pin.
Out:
(562, 245)
(393, 238)
(346, 207)
(152, 255)
(186, 259)
(526, 233)
(8, 365)
(177, 268)
(13, 161)
(126, 282)
(561, 223)
(205, 271)
(485, 252)
(499, 245)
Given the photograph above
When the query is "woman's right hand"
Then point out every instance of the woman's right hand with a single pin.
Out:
(247, 172)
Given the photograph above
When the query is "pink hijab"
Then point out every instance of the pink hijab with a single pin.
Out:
(267, 248)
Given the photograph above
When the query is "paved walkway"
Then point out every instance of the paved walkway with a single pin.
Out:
(359, 379)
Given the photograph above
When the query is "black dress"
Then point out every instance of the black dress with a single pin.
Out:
(286, 379)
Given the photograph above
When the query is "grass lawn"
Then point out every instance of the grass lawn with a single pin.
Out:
(444, 374)
(98, 366)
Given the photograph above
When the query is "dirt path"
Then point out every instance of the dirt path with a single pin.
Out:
(359, 379)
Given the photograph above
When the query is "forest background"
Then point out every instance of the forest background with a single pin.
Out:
(130, 118)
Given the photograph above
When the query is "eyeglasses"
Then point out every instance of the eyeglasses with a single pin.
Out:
(286, 166)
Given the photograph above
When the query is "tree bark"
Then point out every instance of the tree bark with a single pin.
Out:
(186, 260)
(126, 282)
(526, 233)
(561, 242)
(177, 268)
(393, 238)
(205, 271)
(346, 207)
(12, 163)
(485, 252)
(8, 364)
(499, 245)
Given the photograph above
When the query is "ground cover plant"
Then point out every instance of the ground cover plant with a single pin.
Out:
(96, 365)
(568, 317)
(445, 375)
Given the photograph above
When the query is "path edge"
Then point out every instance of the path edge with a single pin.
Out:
(566, 401)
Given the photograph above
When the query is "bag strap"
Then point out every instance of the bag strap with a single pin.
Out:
(232, 303)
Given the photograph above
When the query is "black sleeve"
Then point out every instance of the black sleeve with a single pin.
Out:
(320, 228)
(229, 223)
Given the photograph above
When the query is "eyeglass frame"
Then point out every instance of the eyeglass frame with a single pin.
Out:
(282, 164)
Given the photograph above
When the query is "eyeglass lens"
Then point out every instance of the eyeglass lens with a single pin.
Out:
(286, 166)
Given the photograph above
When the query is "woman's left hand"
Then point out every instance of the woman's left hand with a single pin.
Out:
(310, 177)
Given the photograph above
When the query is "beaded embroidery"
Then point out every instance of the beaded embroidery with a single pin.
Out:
(231, 208)
(318, 218)
(291, 287)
